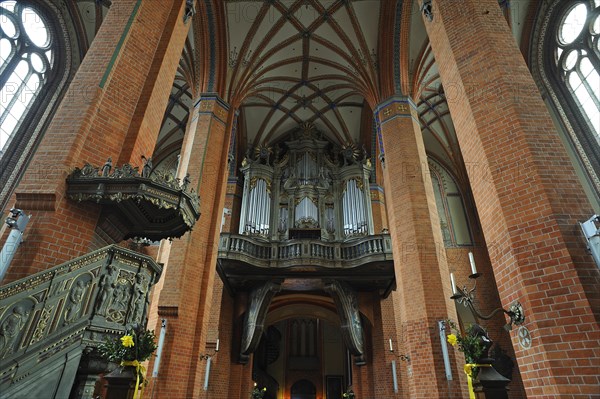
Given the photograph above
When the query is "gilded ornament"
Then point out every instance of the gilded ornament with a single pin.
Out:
(42, 324)
(360, 183)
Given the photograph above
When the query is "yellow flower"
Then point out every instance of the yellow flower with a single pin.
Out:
(127, 341)
(452, 339)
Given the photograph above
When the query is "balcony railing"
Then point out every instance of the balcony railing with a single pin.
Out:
(299, 252)
(155, 206)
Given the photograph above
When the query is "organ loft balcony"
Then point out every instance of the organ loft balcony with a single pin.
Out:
(305, 219)
(305, 264)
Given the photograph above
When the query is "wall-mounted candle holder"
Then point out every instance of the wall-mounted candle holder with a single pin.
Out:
(466, 297)
(405, 358)
(208, 356)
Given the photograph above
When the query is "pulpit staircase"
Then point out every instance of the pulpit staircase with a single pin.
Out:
(50, 322)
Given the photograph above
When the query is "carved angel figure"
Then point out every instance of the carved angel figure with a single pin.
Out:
(10, 328)
(107, 167)
(140, 299)
(107, 285)
(75, 299)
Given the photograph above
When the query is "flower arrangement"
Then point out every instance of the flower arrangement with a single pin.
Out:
(258, 393)
(472, 343)
(134, 345)
(475, 344)
(349, 393)
(131, 349)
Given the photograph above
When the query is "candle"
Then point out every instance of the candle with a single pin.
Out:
(453, 283)
(217, 347)
(472, 260)
(391, 347)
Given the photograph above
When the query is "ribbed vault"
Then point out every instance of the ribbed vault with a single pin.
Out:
(294, 61)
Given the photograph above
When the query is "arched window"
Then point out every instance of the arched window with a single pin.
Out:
(26, 60)
(451, 209)
(41, 47)
(577, 58)
(565, 60)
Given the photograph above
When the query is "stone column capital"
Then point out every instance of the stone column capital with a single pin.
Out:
(213, 104)
(212, 96)
(396, 98)
(396, 106)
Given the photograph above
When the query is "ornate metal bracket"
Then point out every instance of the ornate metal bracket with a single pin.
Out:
(190, 10)
(206, 356)
(466, 297)
(346, 301)
(427, 10)
(402, 357)
(254, 323)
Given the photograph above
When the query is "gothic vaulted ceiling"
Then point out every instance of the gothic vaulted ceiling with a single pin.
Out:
(294, 61)
(328, 62)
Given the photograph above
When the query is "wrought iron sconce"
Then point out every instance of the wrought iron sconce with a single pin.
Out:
(209, 356)
(404, 358)
(466, 297)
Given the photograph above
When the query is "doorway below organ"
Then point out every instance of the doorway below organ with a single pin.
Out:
(302, 358)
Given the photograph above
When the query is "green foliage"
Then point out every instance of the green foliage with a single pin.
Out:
(349, 393)
(144, 345)
(470, 344)
(258, 393)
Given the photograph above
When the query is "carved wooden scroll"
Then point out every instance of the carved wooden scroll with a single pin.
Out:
(254, 322)
(346, 301)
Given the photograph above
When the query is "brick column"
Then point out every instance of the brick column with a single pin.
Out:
(527, 193)
(92, 123)
(187, 293)
(422, 274)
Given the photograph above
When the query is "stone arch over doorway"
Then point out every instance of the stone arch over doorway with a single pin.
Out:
(310, 350)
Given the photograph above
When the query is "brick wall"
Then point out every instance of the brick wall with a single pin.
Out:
(187, 293)
(91, 125)
(527, 194)
(419, 254)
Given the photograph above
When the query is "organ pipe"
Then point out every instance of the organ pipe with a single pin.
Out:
(261, 209)
(254, 208)
(250, 210)
(244, 211)
(257, 212)
(354, 209)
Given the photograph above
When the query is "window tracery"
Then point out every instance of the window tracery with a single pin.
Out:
(577, 58)
(26, 60)
(450, 205)
(565, 62)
